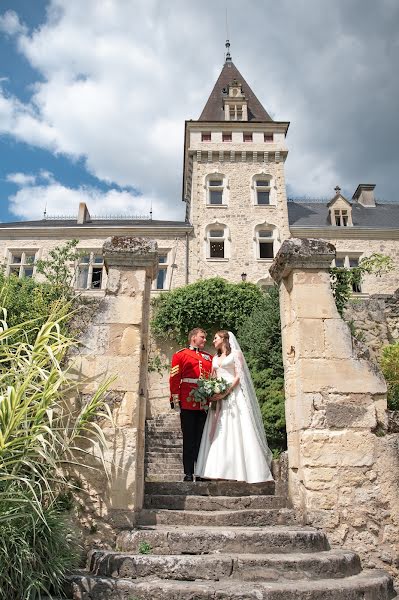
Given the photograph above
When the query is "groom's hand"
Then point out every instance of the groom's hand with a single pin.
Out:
(174, 402)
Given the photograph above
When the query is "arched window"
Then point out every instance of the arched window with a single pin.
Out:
(265, 241)
(262, 189)
(216, 189)
(217, 242)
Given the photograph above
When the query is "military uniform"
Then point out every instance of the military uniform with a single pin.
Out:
(188, 365)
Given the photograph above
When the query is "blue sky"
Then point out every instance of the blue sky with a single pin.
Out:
(94, 95)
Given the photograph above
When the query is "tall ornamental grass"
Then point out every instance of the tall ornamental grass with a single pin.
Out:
(40, 435)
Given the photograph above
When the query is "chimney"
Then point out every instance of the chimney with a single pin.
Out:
(83, 214)
(364, 195)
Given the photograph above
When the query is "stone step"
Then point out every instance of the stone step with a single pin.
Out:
(165, 425)
(209, 540)
(210, 488)
(163, 462)
(168, 454)
(214, 502)
(163, 459)
(162, 478)
(229, 518)
(164, 470)
(243, 567)
(166, 440)
(369, 585)
(164, 434)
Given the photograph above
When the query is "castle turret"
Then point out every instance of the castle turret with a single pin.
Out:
(233, 183)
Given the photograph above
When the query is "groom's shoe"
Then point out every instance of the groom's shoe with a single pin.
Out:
(188, 478)
(199, 479)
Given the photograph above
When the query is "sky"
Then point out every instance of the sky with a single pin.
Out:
(94, 95)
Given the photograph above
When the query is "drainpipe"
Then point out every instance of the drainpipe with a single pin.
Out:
(187, 258)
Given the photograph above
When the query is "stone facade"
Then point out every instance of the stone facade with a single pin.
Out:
(343, 467)
(240, 217)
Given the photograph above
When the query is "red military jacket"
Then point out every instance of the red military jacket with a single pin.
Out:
(187, 363)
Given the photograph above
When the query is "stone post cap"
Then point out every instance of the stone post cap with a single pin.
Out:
(296, 253)
(124, 251)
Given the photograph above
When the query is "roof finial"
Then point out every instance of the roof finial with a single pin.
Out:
(337, 189)
(228, 56)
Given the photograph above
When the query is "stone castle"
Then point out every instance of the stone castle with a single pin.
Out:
(224, 539)
(237, 213)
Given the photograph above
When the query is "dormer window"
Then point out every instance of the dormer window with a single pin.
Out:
(235, 112)
(247, 137)
(340, 210)
(268, 137)
(206, 137)
(341, 217)
(227, 137)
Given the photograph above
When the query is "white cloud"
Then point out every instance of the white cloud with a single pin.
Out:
(31, 201)
(10, 23)
(28, 179)
(21, 179)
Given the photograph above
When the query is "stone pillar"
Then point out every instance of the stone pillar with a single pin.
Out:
(335, 410)
(116, 344)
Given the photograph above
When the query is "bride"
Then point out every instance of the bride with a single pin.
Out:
(233, 444)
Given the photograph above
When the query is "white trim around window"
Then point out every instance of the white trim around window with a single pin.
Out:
(90, 270)
(217, 242)
(266, 242)
(22, 261)
(216, 190)
(263, 192)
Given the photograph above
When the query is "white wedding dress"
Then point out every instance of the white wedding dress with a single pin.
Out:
(235, 451)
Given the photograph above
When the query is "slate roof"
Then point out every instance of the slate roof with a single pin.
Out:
(95, 223)
(316, 214)
(214, 111)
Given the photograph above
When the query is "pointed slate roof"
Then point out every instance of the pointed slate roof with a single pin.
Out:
(213, 110)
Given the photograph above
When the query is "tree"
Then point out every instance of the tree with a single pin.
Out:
(211, 303)
(260, 340)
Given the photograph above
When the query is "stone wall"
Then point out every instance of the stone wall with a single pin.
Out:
(116, 345)
(343, 464)
(376, 321)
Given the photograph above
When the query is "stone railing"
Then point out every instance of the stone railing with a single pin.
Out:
(116, 345)
(343, 465)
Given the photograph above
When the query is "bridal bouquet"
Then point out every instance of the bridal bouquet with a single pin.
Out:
(207, 387)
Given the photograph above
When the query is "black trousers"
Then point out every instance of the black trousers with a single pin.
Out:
(192, 425)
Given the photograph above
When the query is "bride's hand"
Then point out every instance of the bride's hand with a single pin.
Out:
(216, 397)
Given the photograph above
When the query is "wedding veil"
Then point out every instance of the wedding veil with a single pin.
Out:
(249, 394)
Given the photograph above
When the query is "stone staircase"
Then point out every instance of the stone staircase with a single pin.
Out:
(219, 541)
(163, 451)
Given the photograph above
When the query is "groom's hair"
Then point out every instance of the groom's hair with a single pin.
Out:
(194, 332)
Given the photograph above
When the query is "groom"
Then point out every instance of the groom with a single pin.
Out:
(187, 366)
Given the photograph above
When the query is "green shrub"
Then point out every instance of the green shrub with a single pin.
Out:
(390, 368)
(211, 303)
(260, 340)
(35, 549)
(40, 436)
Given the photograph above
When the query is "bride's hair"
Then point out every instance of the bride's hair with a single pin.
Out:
(226, 341)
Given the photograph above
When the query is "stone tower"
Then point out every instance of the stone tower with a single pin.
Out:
(233, 183)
